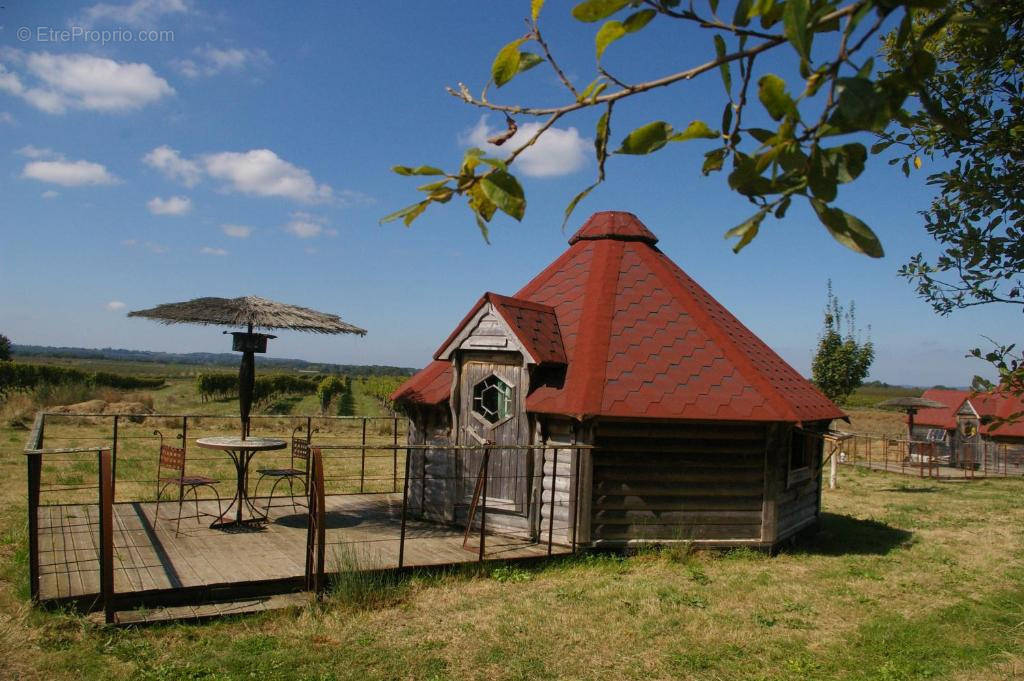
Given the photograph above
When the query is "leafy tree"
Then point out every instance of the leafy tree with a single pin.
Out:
(842, 361)
(5, 348)
(328, 388)
(346, 404)
(972, 118)
(803, 145)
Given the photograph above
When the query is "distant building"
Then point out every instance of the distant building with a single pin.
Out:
(967, 429)
(700, 432)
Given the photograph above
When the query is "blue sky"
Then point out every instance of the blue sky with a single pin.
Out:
(244, 149)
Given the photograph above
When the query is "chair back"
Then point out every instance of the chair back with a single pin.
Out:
(172, 458)
(300, 449)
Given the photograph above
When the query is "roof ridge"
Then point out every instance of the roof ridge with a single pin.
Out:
(602, 283)
(515, 300)
(733, 352)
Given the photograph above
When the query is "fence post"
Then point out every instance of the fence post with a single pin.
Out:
(362, 460)
(184, 450)
(833, 473)
(35, 467)
(113, 463)
(483, 501)
(394, 455)
(405, 507)
(315, 533)
(106, 484)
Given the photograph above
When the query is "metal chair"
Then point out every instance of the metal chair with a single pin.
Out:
(173, 458)
(298, 470)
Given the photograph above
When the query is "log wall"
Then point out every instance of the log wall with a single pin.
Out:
(703, 482)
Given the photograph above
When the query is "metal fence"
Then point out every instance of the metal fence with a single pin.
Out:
(930, 459)
(82, 468)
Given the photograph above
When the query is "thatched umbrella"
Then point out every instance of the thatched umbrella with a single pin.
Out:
(250, 312)
(910, 405)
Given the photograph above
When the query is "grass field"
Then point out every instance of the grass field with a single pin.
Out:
(908, 580)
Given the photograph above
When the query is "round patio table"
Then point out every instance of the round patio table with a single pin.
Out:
(241, 452)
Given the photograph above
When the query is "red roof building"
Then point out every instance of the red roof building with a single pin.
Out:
(993, 415)
(611, 338)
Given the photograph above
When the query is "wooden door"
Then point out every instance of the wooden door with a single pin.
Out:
(491, 406)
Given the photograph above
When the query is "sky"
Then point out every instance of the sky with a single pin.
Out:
(160, 150)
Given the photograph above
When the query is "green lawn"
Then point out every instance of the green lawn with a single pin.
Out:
(909, 579)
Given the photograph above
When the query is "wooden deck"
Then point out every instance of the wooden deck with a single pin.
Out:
(151, 559)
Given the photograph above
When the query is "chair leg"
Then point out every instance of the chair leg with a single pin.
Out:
(270, 499)
(291, 493)
(181, 500)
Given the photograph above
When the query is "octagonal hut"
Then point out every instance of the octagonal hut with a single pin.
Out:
(697, 430)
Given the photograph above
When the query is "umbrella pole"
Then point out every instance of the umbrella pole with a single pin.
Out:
(246, 386)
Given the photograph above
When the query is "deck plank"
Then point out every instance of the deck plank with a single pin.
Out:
(363, 532)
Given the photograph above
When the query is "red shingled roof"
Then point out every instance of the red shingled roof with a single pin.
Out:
(535, 325)
(945, 417)
(990, 404)
(643, 340)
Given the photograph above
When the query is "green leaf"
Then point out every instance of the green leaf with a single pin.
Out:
(821, 177)
(535, 7)
(848, 230)
(480, 204)
(506, 64)
(609, 33)
(695, 130)
(576, 199)
(595, 10)
(771, 90)
(723, 68)
(613, 30)
(741, 17)
(409, 213)
(504, 191)
(527, 60)
(601, 136)
(419, 170)
(794, 19)
(713, 160)
(646, 138)
(637, 20)
(746, 230)
(858, 102)
(849, 161)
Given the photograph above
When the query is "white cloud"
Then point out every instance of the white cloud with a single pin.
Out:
(210, 61)
(559, 151)
(30, 151)
(115, 305)
(140, 13)
(308, 226)
(6, 117)
(148, 245)
(68, 173)
(50, 194)
(237, 231)
(174, 205)
(209, 250)
(351, 197)
(169, 162)
(84, 81)
(263, 173)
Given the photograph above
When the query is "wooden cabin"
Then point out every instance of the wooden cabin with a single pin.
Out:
(698, 430)
(967, 430)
